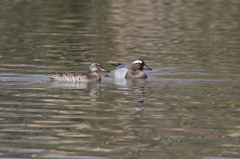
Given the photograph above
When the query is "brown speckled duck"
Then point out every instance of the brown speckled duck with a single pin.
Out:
(90, 76)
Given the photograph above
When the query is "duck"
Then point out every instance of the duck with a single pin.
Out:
(123, 71)
(88, 76)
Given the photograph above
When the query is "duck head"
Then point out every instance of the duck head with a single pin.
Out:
(139, 65)
(97, 67)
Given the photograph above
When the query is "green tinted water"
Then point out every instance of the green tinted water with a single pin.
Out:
(187, 108)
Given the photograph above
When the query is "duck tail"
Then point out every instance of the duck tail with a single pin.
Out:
(116, 64)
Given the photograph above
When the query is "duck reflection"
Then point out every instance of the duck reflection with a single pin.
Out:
(75, 85)
(92, 87)
(135, 87)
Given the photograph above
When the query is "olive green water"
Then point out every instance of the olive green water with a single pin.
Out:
(187, 108)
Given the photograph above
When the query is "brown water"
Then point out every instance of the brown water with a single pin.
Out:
(187, 108)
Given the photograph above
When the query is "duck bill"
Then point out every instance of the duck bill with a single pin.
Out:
(147, 68)
(103, 69)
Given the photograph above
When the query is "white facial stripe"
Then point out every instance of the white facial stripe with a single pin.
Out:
(137, 61)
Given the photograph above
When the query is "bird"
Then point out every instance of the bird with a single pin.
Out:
(89, 76)
(127, 72)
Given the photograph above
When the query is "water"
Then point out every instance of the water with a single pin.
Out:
(187, 108)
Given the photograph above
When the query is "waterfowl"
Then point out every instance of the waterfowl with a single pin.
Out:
(90, 76)
(127, 72)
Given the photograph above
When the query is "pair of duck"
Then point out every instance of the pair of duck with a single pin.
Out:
(121, 72)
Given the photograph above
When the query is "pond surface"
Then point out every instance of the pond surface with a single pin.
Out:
(187, 108)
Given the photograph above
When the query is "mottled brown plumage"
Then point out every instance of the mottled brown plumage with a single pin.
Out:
(90, 76)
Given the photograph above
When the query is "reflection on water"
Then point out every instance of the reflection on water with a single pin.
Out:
(187, 108)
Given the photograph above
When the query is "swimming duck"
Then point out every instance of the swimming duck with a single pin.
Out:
(135, 71)
(90, 76)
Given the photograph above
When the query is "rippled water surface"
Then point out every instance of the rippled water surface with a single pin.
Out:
(187, 108)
